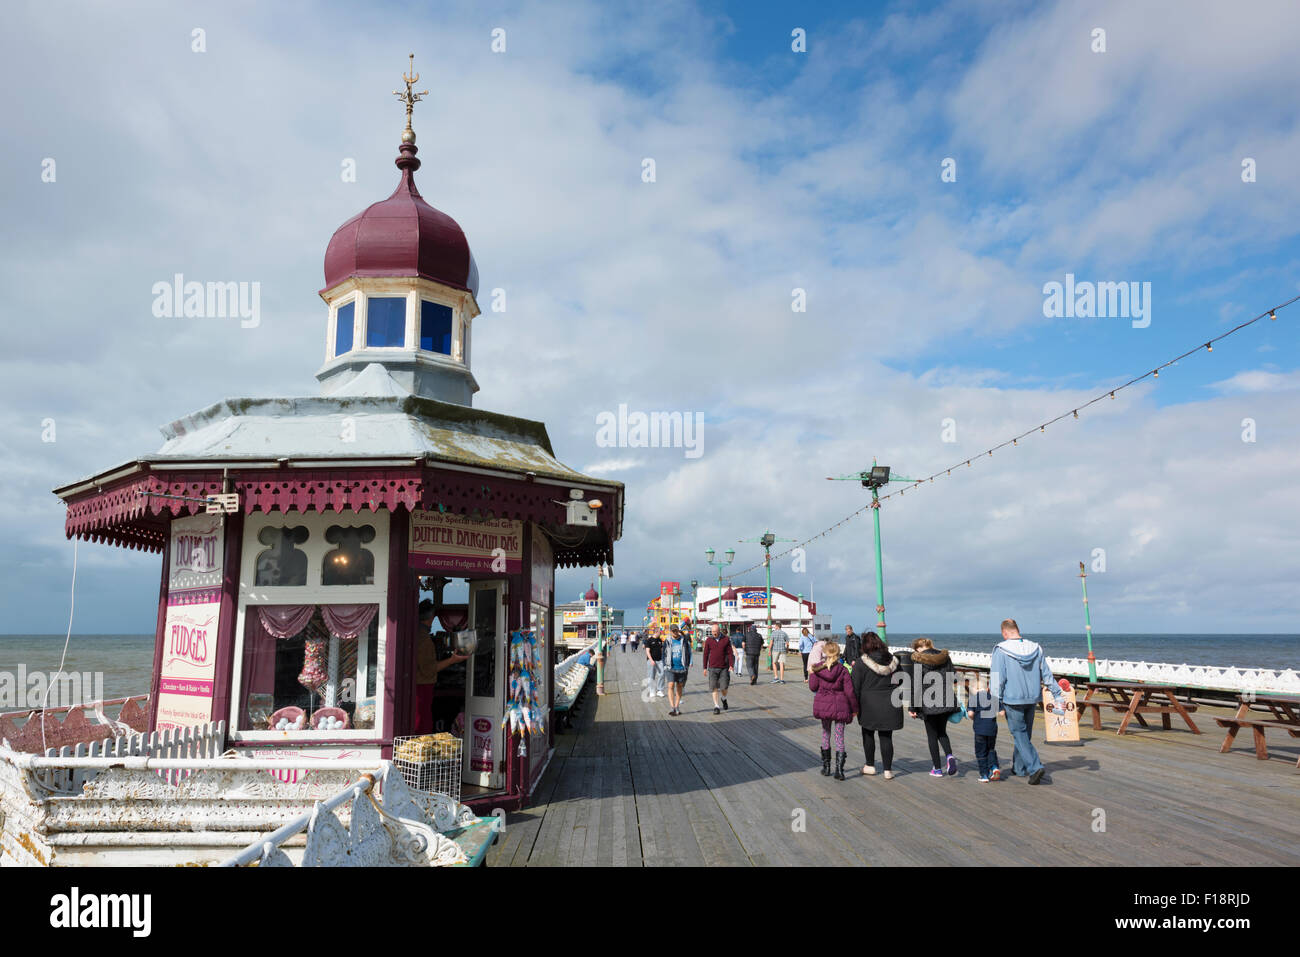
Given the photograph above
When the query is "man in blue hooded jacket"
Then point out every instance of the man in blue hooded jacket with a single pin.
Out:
(1017, 674)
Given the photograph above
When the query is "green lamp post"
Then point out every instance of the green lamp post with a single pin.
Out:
(731, 557)
(1087, 617)
(874, 480)
(767, 540)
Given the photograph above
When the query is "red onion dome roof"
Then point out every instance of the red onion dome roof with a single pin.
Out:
(729, 595)
(591, 595)
(402, 236)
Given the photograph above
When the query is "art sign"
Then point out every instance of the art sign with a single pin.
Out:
(187, 675)
(1061, 727)
(454, 543)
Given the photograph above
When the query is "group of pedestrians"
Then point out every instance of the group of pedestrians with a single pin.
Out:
(863, 680)
(628, 639)
(876, 686)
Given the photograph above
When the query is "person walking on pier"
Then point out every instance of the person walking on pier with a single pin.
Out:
(1017, 674)
(780, 644)
(622, 642)
(805, 649)
(678, 652)
(718, 659)
(934, 699)
(852, 646)
(984, 722)
(753, 648)
(835, 704)
(654, 654)
(737, 639)
(875, 676)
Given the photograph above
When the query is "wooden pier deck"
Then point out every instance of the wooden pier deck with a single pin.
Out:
(630, 786)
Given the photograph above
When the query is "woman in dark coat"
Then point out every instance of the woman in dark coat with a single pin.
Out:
(876, 675)
(934, 698)
(835, 704)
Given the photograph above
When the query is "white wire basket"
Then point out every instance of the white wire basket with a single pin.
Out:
(429, 763)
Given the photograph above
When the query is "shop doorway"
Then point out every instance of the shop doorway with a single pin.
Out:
(485, 687)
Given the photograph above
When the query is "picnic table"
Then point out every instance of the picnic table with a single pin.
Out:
(1133, 700)
(1285, 713)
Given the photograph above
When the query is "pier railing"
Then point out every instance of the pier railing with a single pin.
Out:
(1209, 677)
(200, 741)
(147, 810)
(570, 676)
(37, 731)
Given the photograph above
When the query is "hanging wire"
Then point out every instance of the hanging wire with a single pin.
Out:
(1041, 428)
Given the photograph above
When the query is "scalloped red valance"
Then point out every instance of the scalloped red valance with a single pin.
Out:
(134, 512)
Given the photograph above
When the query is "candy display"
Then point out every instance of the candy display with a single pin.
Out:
(365, 716)
(330, 719)
(315, 663)
(524, 711)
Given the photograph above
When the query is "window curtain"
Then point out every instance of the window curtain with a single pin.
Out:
(259, 657)
(348, 621)
(285, 621)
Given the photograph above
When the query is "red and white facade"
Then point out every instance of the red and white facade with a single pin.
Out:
(344, 508)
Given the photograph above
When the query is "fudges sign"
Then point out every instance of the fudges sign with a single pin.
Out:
(454, 543)
(189, 660)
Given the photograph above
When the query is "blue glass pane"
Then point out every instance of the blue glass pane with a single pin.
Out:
(435, 328)
(343, 328)
(386, 323)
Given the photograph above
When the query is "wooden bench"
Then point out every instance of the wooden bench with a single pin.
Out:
(1284, 713)
(1131, 699)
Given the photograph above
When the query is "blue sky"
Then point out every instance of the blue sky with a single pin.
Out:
(776, 170)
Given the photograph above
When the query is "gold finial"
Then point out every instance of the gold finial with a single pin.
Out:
(410, 98)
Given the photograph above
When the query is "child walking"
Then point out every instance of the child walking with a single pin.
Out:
(984, 722)
(835, 704)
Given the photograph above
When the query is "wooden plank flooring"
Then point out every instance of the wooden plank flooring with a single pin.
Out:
(630, 786)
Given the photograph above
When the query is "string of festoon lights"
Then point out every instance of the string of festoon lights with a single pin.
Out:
(1040, 428)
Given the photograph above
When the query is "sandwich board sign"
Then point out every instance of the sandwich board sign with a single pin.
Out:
(1061, 727)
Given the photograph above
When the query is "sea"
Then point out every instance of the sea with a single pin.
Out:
(126, 661)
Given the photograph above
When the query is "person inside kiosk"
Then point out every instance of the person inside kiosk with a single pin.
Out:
(432, 657)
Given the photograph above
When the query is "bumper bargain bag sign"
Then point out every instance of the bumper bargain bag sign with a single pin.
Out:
(441, 542)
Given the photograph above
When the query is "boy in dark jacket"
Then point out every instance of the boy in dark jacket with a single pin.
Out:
(984, 722)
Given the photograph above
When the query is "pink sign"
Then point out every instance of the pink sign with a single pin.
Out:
(442, 542)
(189, 654)
(480, 754)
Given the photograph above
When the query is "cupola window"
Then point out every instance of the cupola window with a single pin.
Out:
(435, 327)
(386, 323)
(343, 328)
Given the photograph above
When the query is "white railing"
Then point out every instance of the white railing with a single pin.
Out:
(570, 676)
(396, 832)
(1257, 680)
(572, 660)
(65, 777)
